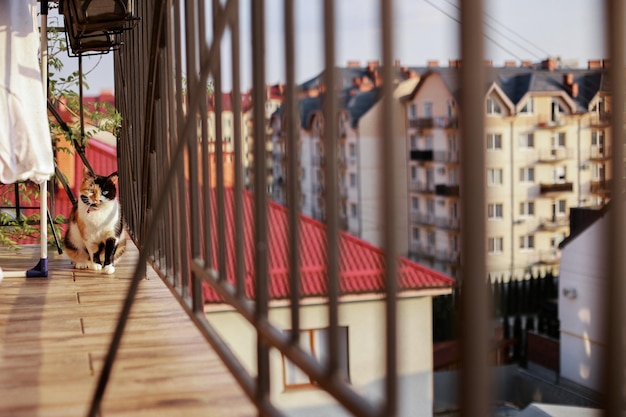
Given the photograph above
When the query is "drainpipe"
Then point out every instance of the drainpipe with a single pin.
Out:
(578, 161)
(512, 188)
(359, 206)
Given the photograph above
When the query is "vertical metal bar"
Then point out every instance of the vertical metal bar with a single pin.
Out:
(260, 196)
(474, 386)
(219, 146)
(192, 81)
(390, 190)
(615, 309)
(206, 165)
(293, 164)
(236, 101)
(332, 192)
(177, 191)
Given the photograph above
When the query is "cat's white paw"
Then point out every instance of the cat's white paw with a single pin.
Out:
(82, 265)
(108, 269)
(96, 267)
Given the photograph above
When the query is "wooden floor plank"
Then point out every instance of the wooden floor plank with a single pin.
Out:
(55, 334)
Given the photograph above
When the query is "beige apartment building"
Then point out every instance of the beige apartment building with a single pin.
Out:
(547, 144)
(547, 150)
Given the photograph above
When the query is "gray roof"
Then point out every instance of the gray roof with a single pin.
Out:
(515, 82)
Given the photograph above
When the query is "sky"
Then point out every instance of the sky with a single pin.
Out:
(423, 29)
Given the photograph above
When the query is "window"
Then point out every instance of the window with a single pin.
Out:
(529, 107)
(494, 177)
(494, 211)
(354, 212)
(560, 175)
(527, 242)
(413, 142)
(430, 206)
(527, 174)
(431, 239)
(414, 173)
(352, 150)
(493, 107)
(412, 111)
(527, 208)
(557, 110)
(428, 109)
(415, 234)
(315, 342)
(559, 208)
(558, 140)
(415, 203)
(597, 138)
(352, 180)
(494, 141)
(495, 245)
(527, 140)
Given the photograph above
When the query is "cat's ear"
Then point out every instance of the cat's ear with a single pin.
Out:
(113, 177)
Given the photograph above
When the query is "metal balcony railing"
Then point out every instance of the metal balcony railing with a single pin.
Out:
(167, 203)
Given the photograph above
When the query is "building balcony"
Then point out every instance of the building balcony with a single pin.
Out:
(422, 187)
(446, 156)
(550, 123)
(448, 256)
(549, 257)
(422, 155)
(557, 187)
(445, 190)
(555, 154)
(600, 153)
(553, 223)
(448, 223)
(602, 187)
(600, 119)
(422, 123)
(422, 218)
(421, 250)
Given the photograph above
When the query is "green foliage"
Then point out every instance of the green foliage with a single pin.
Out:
(63, 93)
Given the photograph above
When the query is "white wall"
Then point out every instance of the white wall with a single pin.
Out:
(365, 321)
(583, 266)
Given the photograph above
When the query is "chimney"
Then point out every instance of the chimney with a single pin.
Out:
(488, 63)
(397, 63)
(594, 64)
(606, 63)
(526, 64)
(354, 64)
(568, 79)
(509, 64)
(371, 65)
(574, 91)
(549, 64)
(433, 63)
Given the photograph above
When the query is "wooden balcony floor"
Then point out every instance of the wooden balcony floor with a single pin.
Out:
(55, 332)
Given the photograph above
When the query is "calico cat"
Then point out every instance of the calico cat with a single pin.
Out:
(95, 233)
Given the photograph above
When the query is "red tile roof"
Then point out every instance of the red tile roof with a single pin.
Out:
(361, 264)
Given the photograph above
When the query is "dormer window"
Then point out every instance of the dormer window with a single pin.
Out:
(493, 107)
(529, 107)
(557, 110)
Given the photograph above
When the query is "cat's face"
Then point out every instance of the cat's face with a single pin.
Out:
(96, 190)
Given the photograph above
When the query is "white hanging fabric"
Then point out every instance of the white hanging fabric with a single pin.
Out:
(25, 143)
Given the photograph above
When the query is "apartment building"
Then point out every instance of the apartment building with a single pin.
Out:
(547, 145)
(359, 144)
(547, 149)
